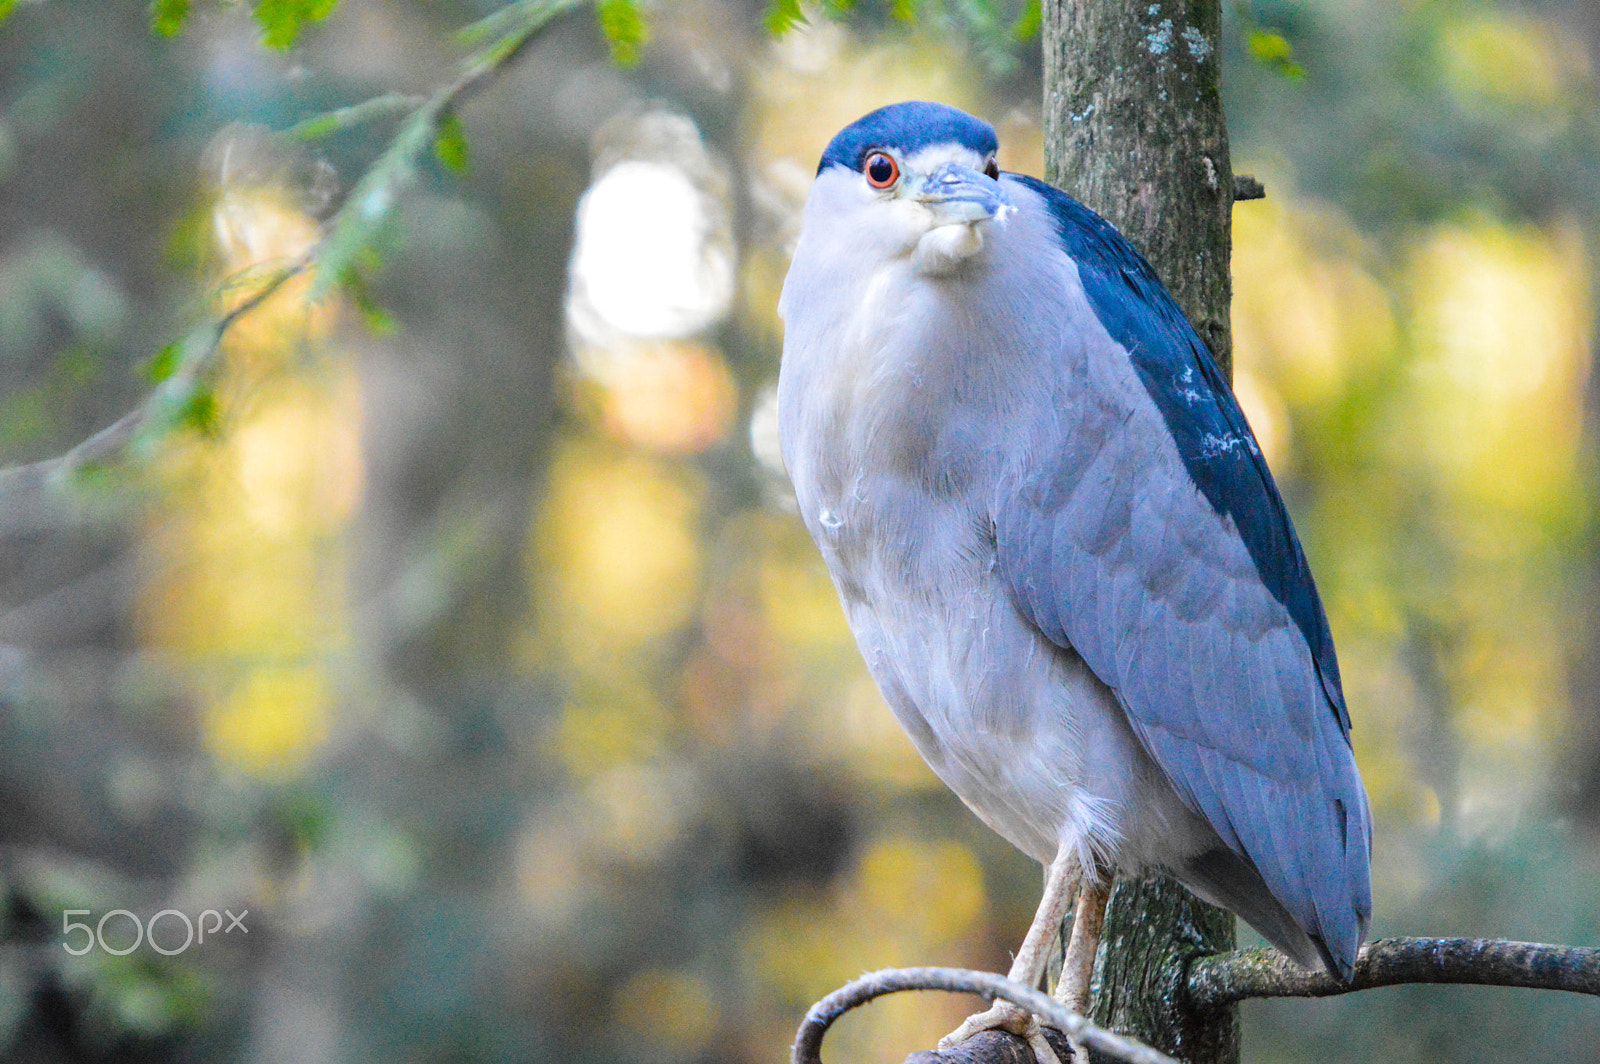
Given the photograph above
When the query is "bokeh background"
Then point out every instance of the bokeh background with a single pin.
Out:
(474, 647)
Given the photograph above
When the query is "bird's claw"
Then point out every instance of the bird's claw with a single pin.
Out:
(1004, 1016)
(1001, 1016)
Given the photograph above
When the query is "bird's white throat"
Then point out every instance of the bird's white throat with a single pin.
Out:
(946, 247)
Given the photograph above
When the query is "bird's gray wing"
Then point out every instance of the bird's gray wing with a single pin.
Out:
(1140, 527)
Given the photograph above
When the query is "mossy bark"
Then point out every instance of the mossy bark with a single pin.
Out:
(1134, 129)
(1154, 927)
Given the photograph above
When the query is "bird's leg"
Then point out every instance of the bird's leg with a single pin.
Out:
(1088, 919)
(1028, 967)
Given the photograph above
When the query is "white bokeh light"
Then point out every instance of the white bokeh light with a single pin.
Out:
(648, 261)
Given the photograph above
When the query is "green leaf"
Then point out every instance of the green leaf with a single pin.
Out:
(450, 145)
(306, 818)
(168, 16)
(163, 364)
(623, 23)
(1028, 24)
(315, 128)
(903, 10)
(368, 207)
(180, 400)
(783, 16)
(359, 292)
(281, 20)
(1271, 48)
(6, 7)
(199, 411)
(182, 405)
(93, 477)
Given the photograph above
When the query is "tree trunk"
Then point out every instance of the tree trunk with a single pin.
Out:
(1133, 128)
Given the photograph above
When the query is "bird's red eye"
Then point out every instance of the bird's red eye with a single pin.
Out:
(881, 170)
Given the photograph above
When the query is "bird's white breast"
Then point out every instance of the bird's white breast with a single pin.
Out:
(894, 389)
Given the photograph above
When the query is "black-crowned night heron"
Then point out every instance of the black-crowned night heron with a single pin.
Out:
(1060, 549)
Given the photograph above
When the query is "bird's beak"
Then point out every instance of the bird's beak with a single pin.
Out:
(955, 193)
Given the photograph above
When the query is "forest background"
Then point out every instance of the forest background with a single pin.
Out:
(457, 624)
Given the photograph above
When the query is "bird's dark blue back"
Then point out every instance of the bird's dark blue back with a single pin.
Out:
(1212, 436)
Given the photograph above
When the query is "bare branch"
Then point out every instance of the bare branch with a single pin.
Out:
(1225, 978)
(808, 1040)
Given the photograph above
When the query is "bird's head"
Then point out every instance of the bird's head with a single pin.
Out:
(911, 180)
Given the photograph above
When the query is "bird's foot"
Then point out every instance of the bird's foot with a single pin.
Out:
(1004, 1016)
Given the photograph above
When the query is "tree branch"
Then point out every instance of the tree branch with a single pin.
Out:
(367, 206)
(341, 118)
(197, 356)
(352, 228)
(808, 1039)
(1258, 973)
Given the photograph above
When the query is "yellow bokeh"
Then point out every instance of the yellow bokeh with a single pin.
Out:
(1507, 59)
(260, 228)
(1502, 320)
(907, 901)
(298, 459)
(933, 890)
(246, 554)
(821, 79)
(671, 1008)
(272, 721)
(797, 597)
(603, 725)
(670, 396)
(249, 558)
(1307, 313)
(616, 551)
(1443, 393)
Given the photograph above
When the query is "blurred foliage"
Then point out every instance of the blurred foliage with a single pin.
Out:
(1272, 49)
(280, 21)
(473, 647)
(623, 23)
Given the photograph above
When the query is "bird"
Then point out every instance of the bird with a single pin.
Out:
(1059, 548)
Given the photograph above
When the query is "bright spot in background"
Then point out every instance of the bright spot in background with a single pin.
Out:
(765, 442)
(652, 270)
(645, 263)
